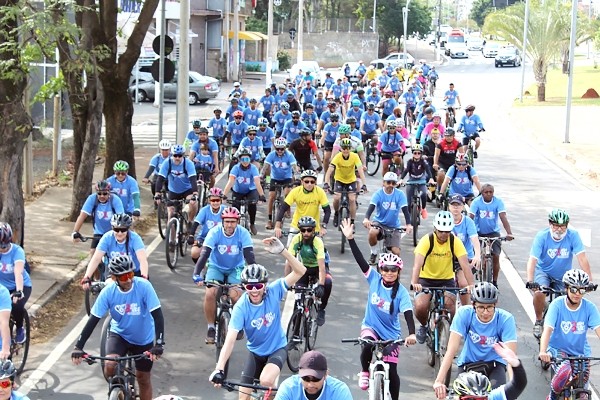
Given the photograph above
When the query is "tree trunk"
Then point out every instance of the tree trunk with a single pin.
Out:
(541, 92)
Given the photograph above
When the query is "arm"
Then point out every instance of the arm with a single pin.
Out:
(476, 249)
(322, 271)
(445, 183)
(143, 259)
(149, 172)
(5, 334)
(229, 185)
(506, 226)
(87, 331)
(531, 264)
(417, 265)
(318, 157)
(93, 264)
(453, 344)
(477, 183)
(466, 268)
(227, 349)
(204, 254)
(347, 229)
(584, 264)
(326, 216)
(258, 186)
(406, 213)
(159, 324)
(436, 158)
(249, 255)
(298, 269)
(79, 223)
(329, 172)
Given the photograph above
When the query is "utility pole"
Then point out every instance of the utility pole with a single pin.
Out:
(183, 79)
(571, 67)
(56, 137)
(269, 76)
(525, 29)
(161, 68)
(374, 15)
(236, 40)
(405, 21)
(229, 60)
(300, 31)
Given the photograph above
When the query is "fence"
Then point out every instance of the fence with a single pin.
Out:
(314, 25)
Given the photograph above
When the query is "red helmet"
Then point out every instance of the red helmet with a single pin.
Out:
(230, 212)
(238, 113)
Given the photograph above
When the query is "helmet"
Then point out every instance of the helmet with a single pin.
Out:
(202, 130)
(305, 132)
(334, 117)
(355, 103)
(285, 106)
(280, 143)
(237, 84)
(255, 273)
(436, 114)
(390, 176)
(484, 292)
(121, 166)
(472, 383)
(391, 124)
(5, 233)
(344, 129)
(388, 91)
(328, 74)
(449, 132)
(217, 109)
(390, 260)
(121, 220)
(470, 107)
(196, 123)
(460, 158)
(350, 120)
(282, 86)
(215, 192)
(443, 221)
(263, 121)
(164, 144)
(295, 114)
(399, 123)
(308, 173)
(120, 264)
(251, 128)
(307, 222)
(7, 370)
(345, 143)
(428, 99)
(177, 149)
(234, 99)
(244, 151)
(230, 212)
(310, 105)
(252, 100)
(429, 110)
(238, 113)
(576, 277)
(416, 147)
(102, 186)
(558, 216)
(370, 106)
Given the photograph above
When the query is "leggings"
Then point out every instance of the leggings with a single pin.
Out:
(366, 355)
(18, 309)
(410, 190)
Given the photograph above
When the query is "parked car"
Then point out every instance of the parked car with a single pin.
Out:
(140, 77)
(397, 60)
(458, 50)
(312, 66)
(475, 44)
(201, 89)
(508, 55)
(490, 49)
(353, 78)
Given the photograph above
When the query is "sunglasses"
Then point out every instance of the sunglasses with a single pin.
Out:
(5, 384)
(304, 230)
(215, 200)
(237, 117)
(345, 147)
(125, 277)
(120, 230)
(102, 193)
(177, 155)
(245, 159)
(295, 119)
(311, 379)
(485, 308)
(251, 286)
(309, 181)
(120, 173)
(462, 164)
(416, 152)
(251, 134)
(386, 268)
(576, 290)
(390, 182)
(280, 149)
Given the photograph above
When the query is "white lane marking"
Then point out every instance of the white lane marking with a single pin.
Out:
(288, 309)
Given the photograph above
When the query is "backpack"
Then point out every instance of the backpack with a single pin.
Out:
(431, 248)
(169, 171)
(468, 173)
(93, 214)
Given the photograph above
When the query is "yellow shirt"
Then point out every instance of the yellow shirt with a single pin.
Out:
(371, 74)
(308, 204)
(307, 254)
(438, 264)
(344, 169)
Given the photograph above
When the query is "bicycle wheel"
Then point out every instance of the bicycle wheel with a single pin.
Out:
(469, 156)
(182, 239)
(220, 339)
(117, 393)
(344, 213)
(103, 339)
(311, 327)
(378, 387)
(415, 220)
(296, 337)
(172, 256)
(19, 351)
(276, 205)
(161, 216)
(443, 333)
(488, 270)
(372, 159)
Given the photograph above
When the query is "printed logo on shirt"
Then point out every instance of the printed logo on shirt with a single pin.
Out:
(121, 192)
(558, 253)
(114, 254)
(576, 327)
(487, 214)
(128, 309)
(6, 268)
(231, 249)
(482, 340)
(458, 180)
(380, 303)
(210, 224)
(280, 164)
(104, 214)
(266, 321)
(243, 180)
(177, 173)
(389, 205)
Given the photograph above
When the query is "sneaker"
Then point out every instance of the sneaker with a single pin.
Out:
(210, 336)
(335, 220)
(424, 213)
(538, 327)
(240, 335)
(321, 318)
(373, 259)
(20, 337)
(269, 225)
(421, 334)
(253, 229)
(363, 380)
(474, 154)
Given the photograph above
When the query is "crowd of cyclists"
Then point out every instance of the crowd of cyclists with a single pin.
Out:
(292, 136)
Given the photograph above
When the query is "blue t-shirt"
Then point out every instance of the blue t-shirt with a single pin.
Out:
(452, 95)
(308, 94)
(281, 166)
(571, 326)
(388, 207)
(331, 131)
(480, 337)
(355, 112)
(211, 144)
(218, 126)
(156, 161)
(371, 122)
(379, 301)
(333, 389)
(465, 230)
(125, 190)
(328, 83)
(291, 131)
(266, 136)
(383, 80)
(251, 116)
(280, 119)
(556, 258)
(389, 105)
(130, 311)
(461, 184)
(410, 98)
(179, 178)
(204, 163)
(390, 143)
(310, 120)
(227, 252)
(470, 124)
(487, 215)
(244, 178)
(374, 98)
(395, 83)
(261, 322)
(207, 220)
(320, 105)
(237, 131)
(230, 110)
(255, 145)
(267, 102)
(103, 213)
(336, 90)
(109, 245)
(7, 267)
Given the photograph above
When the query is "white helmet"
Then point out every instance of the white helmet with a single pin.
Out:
(390, 176)
(165, 144)
(443, 221)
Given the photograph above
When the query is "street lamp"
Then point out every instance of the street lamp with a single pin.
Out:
(374, 14)
(405, 20)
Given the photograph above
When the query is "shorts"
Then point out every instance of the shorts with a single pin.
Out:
(328, 146)
(115, 344)
(496, 247)
(466, 139)
(255, 364)
(95, 241)
(388, 156)
(281, 182)
(216, 275)
(434, 283)
(543, 279)
(390, 352)
(312, 272)
(338, 187)
(445, 167)
(368, 136)
(179, 196)
(392, 241)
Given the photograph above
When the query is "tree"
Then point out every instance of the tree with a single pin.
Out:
(480, 10)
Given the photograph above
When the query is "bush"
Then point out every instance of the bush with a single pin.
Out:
(285, 61)
(253, 67)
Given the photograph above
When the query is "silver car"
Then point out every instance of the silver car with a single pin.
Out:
(201, 89)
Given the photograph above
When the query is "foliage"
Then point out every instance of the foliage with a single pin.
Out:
(480, 10)
(253, 67)
(285, 60)
(597, 40)
(254, 24)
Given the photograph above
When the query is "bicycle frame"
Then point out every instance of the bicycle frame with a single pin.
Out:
(268, 391)
(124, 377)
(487, 258)
(576, 386)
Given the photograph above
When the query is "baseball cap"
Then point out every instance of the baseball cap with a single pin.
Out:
(312, 363)
(456, 198)
(390, 176)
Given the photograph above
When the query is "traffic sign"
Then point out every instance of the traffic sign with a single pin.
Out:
(169, 70)
(277, 2)
(292, 33)
(168, 45)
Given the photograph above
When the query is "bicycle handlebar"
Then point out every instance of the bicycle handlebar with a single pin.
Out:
(492, 239)
(375, 342)
(443, 289)
(209, 284)
(91, 359)
(85, 238)
(230, 386)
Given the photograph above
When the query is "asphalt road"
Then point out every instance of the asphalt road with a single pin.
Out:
(529, 184)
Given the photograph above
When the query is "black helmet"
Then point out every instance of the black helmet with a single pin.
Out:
(120, 264)
(350, 120)
(295, 114)
(334, 117)
(307, 222)
(428, 110)
(7, 370)
(121, 220)
(103, 186)
(484, 292)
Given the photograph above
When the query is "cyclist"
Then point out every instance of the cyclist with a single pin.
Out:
(374, 97)
(126, 187)
(430, 145)
(236, 129)
(253, 143)
(360, 96)
(551, 256)
(465, 229)
(313, 381)
(355, 111)
(568, 319)
(353, 130)
(236, 89)
(319, 103)
(218, 125)
(292, 102)
(369, 122)
(292, 127)
(258, 314)
(308, 247)
(252, 113)
(155, 163)
(361, 70)
(387, 298)
(445, 156)
(337, 89)
(434, 125)
(266, 134)
(475, 385)
(281, 117)
(309, 117)
(208, 217)
(119, 241)
(409, 98)
(280, 166)
(137, 324)
(343, 167)
(486, 210)
(423, 105)
(388, 201)
(434, 267)
(357, 146)
(267, 102)
(244, 182)
(101, 206)
(391, 142)
(328, 139)
(192, 135)
(8, 389)
(307, 95)
(419, 174)
(451, 97)
(226, 248)
(481, 325)
(309, 199)
(5, 311)
(213, 149)
(395, 85)
(302, 149)
(235, 106)
(432, 76)
(470, 124)
(15, 278)
(423, 121)
(460, 179)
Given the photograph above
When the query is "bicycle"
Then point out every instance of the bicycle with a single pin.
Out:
(386, 234)
(256, 388)
(122, 385)
(470, 153)
(379, 371)
(485, 273)
(415, 212)
(372, 157)
(432, 84)
(97, 281)
(575, 386)
(243, 208)
(224, 154)
(162, 215)
(343, 213)
(19, 351)
(203, 188)
(451, 116)
(302, 329)
(176, 235)
(278, 200)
